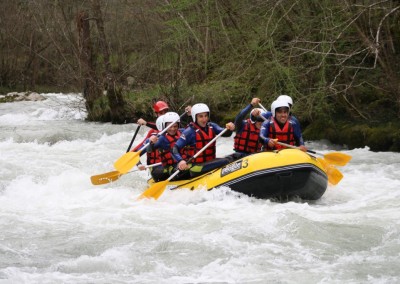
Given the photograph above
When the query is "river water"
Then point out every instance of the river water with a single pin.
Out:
(56, 227)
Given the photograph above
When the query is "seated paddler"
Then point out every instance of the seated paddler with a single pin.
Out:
(195, 137)
(246, 140)
(280, 128)
(163, 144)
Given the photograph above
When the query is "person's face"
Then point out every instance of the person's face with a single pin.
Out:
(202, 119)
(161, 112)
(173, 129)
(282, 114)
(258, 124)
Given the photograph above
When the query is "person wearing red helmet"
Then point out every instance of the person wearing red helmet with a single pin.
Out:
(160, 108)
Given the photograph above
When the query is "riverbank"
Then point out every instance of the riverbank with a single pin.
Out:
(383, 137)
(378, 136)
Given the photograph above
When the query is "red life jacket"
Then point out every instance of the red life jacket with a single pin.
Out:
(202, 139)
(153, 157)
(285, 135)
(166, 156)
(247, 141)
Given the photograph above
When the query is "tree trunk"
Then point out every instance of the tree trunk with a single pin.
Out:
(91, 90)
(114, 94)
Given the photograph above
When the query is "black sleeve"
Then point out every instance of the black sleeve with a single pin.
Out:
(227, 133)
(151, 125)
(186, 120)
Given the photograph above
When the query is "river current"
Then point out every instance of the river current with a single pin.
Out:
(56, 227)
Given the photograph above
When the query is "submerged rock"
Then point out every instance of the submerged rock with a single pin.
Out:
(22, 96)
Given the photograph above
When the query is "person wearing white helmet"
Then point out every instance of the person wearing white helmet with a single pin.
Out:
(281, 128)
(154, 157)
(289, 100)
(160, 108)
(246, 140)
(163, 144)
(197, 135)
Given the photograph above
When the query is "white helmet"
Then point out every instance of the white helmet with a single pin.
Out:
(170, 117)
(199, 108)
(159, 122)
(286, 98)
(277, 104)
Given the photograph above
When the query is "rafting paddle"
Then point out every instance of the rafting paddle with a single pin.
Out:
(130, 159)
(263, 108)
(158, 188)
(133, 138)
(114, 175)
(328, 160)
(334, 158)
(334, 175)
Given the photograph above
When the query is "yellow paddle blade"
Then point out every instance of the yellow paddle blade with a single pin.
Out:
(337, 158)
(127, 162)
(155, 190)
(334, 175)
(105, 178)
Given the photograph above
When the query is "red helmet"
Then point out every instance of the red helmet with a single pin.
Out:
(160, 106)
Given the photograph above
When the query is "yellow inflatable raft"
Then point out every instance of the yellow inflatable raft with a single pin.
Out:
(282, 175)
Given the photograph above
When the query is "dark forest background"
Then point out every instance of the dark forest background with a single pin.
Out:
(338, 60)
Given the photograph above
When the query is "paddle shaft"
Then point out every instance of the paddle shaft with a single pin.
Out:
(148, 166)
(338, 159)
(295, 147)
(164, 130)
(288, 145)
(263, 109)
(114, 175)
(133, 138)
(158, 188)
(130, 159)
(198, 153)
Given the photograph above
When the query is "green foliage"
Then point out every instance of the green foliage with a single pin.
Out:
(355, 135)
(101, 110)
(320, 129)
(395, 147)
(378, 138)
(142, 101)
(224, 98)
